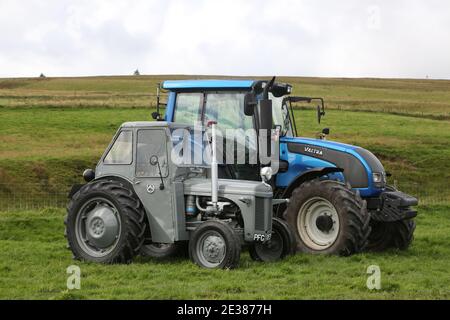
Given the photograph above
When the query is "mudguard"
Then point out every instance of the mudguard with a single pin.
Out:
(300, 179)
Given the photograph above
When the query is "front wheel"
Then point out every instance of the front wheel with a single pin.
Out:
(214, 244)
(281, 244)
(328, 217)
(386, 235)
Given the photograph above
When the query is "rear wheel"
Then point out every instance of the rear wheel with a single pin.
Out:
(214, 244)
(386, 235)
(328, 217)
(105, 223)
(278, 247)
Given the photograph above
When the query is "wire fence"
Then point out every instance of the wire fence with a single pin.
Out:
(32, 196)
(38, 196)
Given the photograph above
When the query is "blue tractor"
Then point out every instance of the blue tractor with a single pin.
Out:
(339, 200)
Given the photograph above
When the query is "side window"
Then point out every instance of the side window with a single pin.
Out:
(151, 143)
(188, 108)
(122, 150)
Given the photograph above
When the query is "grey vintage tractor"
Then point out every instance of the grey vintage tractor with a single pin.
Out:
(139, 200)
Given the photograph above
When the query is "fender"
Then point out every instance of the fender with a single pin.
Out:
(300, 179)
(117, 178)
(76, 187)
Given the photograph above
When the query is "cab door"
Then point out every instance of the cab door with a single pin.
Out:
(155, 194)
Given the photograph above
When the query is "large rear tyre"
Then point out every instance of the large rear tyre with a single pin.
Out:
(328, 217)
(387, 235)
(281, 244)
(105, 223)
(213, 245)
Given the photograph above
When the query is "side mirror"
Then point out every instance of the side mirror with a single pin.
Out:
(155, 161)
(266, 121)
(265, 114)
(250, 103)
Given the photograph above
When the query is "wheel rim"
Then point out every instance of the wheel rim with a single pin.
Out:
(271, 250)
(211, 249)
(318, 223)
(98, 227)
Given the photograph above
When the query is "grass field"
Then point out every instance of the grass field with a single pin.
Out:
(52, 129)
(422, 98)
(34, 258)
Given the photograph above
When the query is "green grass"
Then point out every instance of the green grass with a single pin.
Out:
(34, 259)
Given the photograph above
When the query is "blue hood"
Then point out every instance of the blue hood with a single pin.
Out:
(338, 146)
(359, 164)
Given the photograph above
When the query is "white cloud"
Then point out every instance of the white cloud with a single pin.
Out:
(379, 38)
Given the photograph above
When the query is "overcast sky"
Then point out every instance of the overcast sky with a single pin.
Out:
(346, 38)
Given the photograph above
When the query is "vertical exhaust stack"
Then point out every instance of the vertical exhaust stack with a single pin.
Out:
(214, 166)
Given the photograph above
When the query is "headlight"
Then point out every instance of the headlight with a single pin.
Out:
(266, 173)
(379, 178)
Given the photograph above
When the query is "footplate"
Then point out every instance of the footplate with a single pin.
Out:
(395, 206)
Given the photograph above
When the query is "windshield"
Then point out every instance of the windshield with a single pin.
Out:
(225, 108)
(228, 110)
(281, 116)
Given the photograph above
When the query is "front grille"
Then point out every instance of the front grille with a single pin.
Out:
(263, 214)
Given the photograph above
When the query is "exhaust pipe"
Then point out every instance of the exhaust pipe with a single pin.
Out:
(214, 166)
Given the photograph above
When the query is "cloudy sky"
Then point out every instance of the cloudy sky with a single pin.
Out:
(347, 38)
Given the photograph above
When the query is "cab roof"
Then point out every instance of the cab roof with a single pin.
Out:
(180, 85)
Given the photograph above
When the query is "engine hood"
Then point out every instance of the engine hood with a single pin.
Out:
(199, 186)
(359, 164)
(321, 143)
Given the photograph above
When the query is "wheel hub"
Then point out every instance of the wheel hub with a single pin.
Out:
(324, 223)
(97, 226)
(102, 226)
(213, 249)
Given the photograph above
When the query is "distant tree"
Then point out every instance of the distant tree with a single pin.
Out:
(42, 75)
(137, 73)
